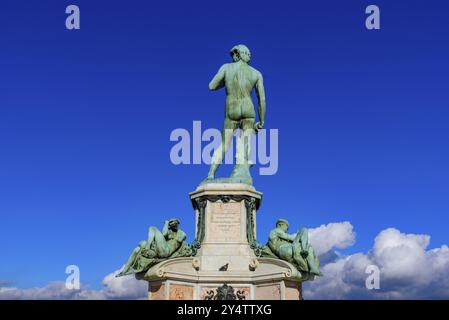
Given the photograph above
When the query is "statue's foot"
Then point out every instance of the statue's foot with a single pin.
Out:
(241, 172)
(209, 177)
(120, 274)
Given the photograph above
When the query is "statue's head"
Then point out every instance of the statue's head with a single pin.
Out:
(283, 224)
(240, 52)
(173, 224)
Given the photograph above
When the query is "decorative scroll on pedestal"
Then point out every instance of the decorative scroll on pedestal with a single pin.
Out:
(225, 292)
(200, 205)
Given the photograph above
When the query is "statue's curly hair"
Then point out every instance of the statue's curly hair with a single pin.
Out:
(174, 220)
(282, 221)
(240, 48)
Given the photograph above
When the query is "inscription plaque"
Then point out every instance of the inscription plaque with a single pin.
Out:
(224, 221)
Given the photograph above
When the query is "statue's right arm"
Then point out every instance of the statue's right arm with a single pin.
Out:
(165, 228)
(218, 81)
(285, 236)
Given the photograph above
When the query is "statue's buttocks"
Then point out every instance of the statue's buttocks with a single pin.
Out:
(240, 109)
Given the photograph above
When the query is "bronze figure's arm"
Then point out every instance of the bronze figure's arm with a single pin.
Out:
(218, 81)
(260, 92)
(165, 229)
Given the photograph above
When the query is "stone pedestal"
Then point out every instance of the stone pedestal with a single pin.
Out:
(225, 262)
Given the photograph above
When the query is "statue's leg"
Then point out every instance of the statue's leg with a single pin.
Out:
(243, 163)
(313, 262)
(304, 238)
(297, 240)
(157, 243)
(161, 246)
(298, 248)
(153, 233)
(311, 258)
(131, 260)
(244, 147)
(285, 252)
(227, 133)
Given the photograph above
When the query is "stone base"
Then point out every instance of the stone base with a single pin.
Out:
(225, 237)
(182, 279)
(170, 290)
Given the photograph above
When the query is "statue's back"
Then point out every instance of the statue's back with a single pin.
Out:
(240, 80)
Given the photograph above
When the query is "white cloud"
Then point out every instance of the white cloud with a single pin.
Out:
(338, 235)
(407, 271)
(114, 288)
(126, 287)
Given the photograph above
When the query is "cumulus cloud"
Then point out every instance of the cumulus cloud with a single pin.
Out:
(408, 270)
(338, 235)
(126, 287)
(114, 288)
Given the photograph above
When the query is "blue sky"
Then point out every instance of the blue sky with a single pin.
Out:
(85, 120)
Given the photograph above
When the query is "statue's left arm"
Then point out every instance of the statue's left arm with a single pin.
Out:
(260, 92)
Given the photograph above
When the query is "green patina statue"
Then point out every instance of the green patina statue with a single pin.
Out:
(170, 243)
(294, 248)
(239, 79)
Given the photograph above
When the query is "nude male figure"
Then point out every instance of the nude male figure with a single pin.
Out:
(239, 79)
(294, 248)
(160, 245)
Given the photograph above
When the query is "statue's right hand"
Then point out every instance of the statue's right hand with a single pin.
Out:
(258, 126)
